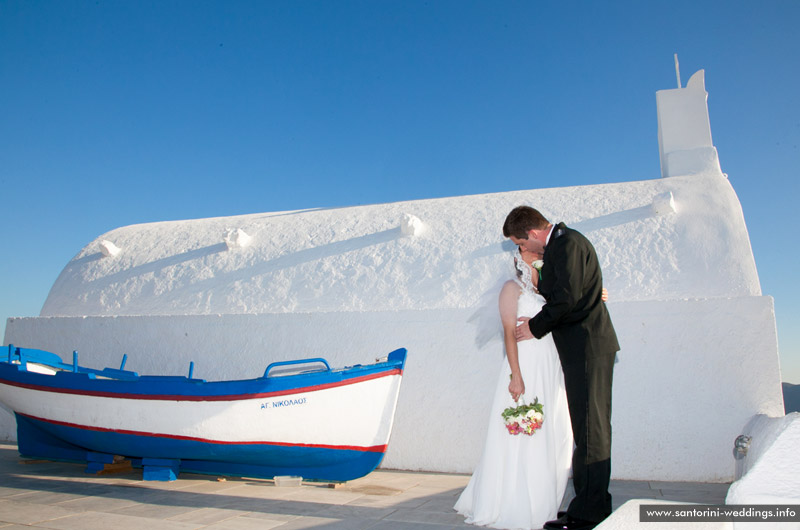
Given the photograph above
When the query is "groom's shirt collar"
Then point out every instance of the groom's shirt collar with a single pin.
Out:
(549, 234)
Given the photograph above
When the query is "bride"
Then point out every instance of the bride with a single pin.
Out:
(520, 479)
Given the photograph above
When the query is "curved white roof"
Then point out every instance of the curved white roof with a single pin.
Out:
(360, 259)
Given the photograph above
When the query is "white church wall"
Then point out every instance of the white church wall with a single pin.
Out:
(688, 377)
(691, 373)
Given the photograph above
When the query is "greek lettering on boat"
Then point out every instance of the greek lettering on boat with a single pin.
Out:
(283, 403)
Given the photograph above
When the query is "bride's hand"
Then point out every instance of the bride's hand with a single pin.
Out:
(516, 387)
(604, 295)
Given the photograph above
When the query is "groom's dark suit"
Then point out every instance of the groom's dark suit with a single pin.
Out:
(571, 283)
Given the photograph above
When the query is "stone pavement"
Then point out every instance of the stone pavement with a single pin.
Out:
(57, 495)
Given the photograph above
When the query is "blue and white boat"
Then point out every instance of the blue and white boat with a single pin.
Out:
(318, 423)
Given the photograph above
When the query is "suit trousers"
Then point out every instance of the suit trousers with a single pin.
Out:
(588, 387)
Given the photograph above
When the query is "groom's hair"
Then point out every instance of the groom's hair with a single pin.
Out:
(522, 219)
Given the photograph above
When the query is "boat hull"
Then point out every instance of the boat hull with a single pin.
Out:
(43, 439)
(324, 425)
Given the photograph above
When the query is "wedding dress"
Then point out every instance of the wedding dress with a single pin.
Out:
(520, 479)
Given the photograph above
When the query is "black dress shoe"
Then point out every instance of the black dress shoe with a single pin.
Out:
(569, 523)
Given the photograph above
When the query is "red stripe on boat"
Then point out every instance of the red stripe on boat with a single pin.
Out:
(183, 397)
(368, 449)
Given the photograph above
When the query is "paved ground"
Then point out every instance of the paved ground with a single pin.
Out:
(62, 496)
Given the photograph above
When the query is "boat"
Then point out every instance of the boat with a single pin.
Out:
(300, 418)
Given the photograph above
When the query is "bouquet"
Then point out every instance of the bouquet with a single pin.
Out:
(524, 419)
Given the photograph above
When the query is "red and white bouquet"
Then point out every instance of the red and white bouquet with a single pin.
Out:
(524, 418)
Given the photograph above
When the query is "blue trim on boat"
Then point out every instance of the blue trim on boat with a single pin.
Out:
(128, 384)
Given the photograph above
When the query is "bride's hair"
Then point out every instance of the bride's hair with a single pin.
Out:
(521, 219)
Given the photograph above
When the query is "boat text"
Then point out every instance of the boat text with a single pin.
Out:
(282, 403)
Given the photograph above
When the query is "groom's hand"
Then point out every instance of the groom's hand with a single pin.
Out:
(523, 331)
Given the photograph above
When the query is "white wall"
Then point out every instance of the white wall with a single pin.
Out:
(688, 378)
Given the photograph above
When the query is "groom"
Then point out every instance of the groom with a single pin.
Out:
(571, 283)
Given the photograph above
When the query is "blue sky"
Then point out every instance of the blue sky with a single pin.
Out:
(119, 112)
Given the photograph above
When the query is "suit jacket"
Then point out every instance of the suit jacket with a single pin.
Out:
(572, 283)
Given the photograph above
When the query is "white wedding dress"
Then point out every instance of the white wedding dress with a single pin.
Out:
(520, 480)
